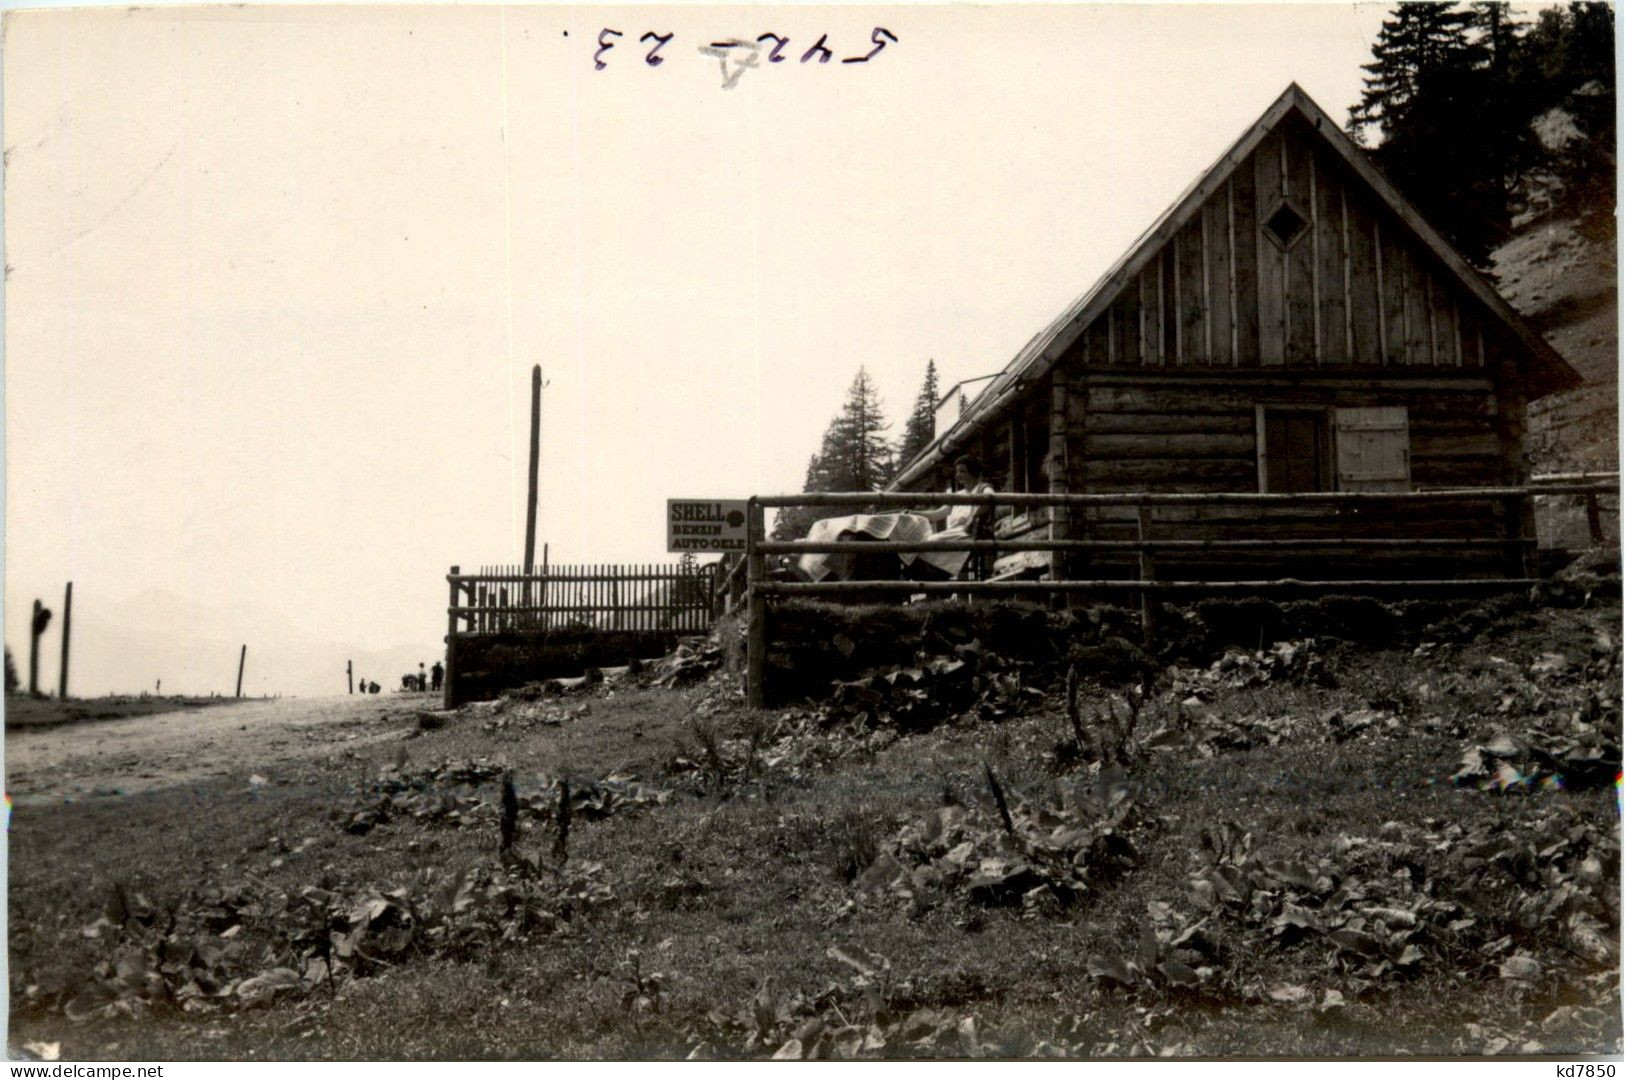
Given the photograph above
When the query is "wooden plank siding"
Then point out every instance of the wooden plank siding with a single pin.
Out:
(1364, 296)
(1356, 289)
(1190, 291)
(1333, 277)
(1218, 271)
(1299, 284)
(1271, 260)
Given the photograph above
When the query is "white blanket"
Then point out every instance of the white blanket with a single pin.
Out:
(901, 527)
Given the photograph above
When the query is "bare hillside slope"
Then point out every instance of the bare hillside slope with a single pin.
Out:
(1567, 288)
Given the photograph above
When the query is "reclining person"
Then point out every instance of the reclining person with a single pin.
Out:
(959, 523)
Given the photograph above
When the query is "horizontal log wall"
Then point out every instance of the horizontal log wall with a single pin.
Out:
(1355, 289)
(1183, 432)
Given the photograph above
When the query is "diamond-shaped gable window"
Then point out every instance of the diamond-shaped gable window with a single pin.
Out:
(1285, 226)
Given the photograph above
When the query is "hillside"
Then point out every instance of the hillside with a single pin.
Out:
(1567, 288)
(1322, 848)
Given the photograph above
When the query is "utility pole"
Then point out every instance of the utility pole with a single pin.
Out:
(42, 619)
(349, 674)
(535, 465)
(67, 627)
(242, 658)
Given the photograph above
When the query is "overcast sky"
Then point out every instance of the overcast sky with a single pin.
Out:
(276, 277)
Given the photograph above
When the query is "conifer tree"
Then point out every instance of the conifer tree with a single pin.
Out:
(1445, 142)
(854, 456)
(1427, 91)
(922, 422)
(1454, 94)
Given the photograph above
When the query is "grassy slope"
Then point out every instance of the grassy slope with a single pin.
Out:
(723, 893)
(25, 711)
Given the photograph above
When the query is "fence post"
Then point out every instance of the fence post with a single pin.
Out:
(1060, 515)
(451, 638)
(1518, 519)
(756, 610)
(1148, 572)
(1594, 517)
(42, 617)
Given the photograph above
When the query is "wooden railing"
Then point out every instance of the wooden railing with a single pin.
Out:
(611, 606)
(1544, 482)
(1515, 540)
(637, 597)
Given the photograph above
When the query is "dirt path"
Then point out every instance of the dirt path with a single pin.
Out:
(120, 757)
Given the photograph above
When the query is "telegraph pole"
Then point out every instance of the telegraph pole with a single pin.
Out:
(67, 627)
(349, 674)
(535, 466)
(242, 658)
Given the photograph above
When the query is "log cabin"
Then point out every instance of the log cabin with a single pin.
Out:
(1290, 324)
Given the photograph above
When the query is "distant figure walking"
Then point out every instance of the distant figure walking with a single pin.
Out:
(423, 679)
(438, 674)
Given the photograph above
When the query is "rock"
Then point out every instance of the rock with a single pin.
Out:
(432, 721)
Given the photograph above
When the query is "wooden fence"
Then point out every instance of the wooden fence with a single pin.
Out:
(645, 596)
(614, 607)
(1514, 540)
(1544, 483)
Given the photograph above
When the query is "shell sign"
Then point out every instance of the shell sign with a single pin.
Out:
(705, 525)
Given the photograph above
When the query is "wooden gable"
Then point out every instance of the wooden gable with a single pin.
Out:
(1291, 261)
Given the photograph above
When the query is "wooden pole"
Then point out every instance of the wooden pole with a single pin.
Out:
(1148, 572)
(756, 608)
(349, 674)
(451, 638)
(242, 658)
(1059, 482)
(36, 628)
(67, 629)
(535, 464)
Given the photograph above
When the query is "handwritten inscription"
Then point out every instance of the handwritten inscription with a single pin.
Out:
(738, 55)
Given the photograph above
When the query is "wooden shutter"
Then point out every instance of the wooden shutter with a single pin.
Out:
(1373, 449)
